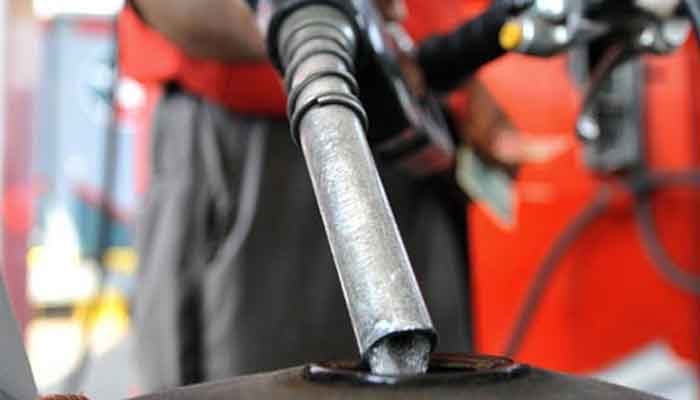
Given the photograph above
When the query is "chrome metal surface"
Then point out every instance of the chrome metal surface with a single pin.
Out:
(380, 288)
(400, 355)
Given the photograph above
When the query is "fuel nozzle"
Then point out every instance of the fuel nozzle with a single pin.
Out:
(318, 46)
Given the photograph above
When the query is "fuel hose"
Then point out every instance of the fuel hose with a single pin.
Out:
(642, 186)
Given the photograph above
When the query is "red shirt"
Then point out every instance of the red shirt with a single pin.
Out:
(147, 56)
(248, 88)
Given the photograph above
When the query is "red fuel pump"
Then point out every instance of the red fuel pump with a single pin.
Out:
(620, 286)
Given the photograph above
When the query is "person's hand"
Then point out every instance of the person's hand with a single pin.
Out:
(516, 148)
(392, 10)
(488, 129)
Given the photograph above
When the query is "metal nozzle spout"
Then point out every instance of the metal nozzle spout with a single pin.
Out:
(317, 46)
(401, 355)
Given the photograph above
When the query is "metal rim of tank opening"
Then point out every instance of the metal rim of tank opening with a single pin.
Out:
(444, 369)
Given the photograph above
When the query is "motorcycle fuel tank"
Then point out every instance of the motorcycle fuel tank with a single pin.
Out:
(450, 377)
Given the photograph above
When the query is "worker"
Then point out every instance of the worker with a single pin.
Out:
(236, 275)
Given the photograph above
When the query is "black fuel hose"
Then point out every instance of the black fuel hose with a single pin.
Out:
(448, 59)
(595, 208)
(643, 210)
(642, 187)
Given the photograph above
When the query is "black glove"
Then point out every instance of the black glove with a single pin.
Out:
(447, 60)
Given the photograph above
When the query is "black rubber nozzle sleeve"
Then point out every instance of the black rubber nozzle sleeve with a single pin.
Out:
(447, 60)
(282, 9)
(312, 44)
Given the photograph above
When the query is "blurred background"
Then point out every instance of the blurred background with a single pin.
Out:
(73, 170)
(65, 203)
